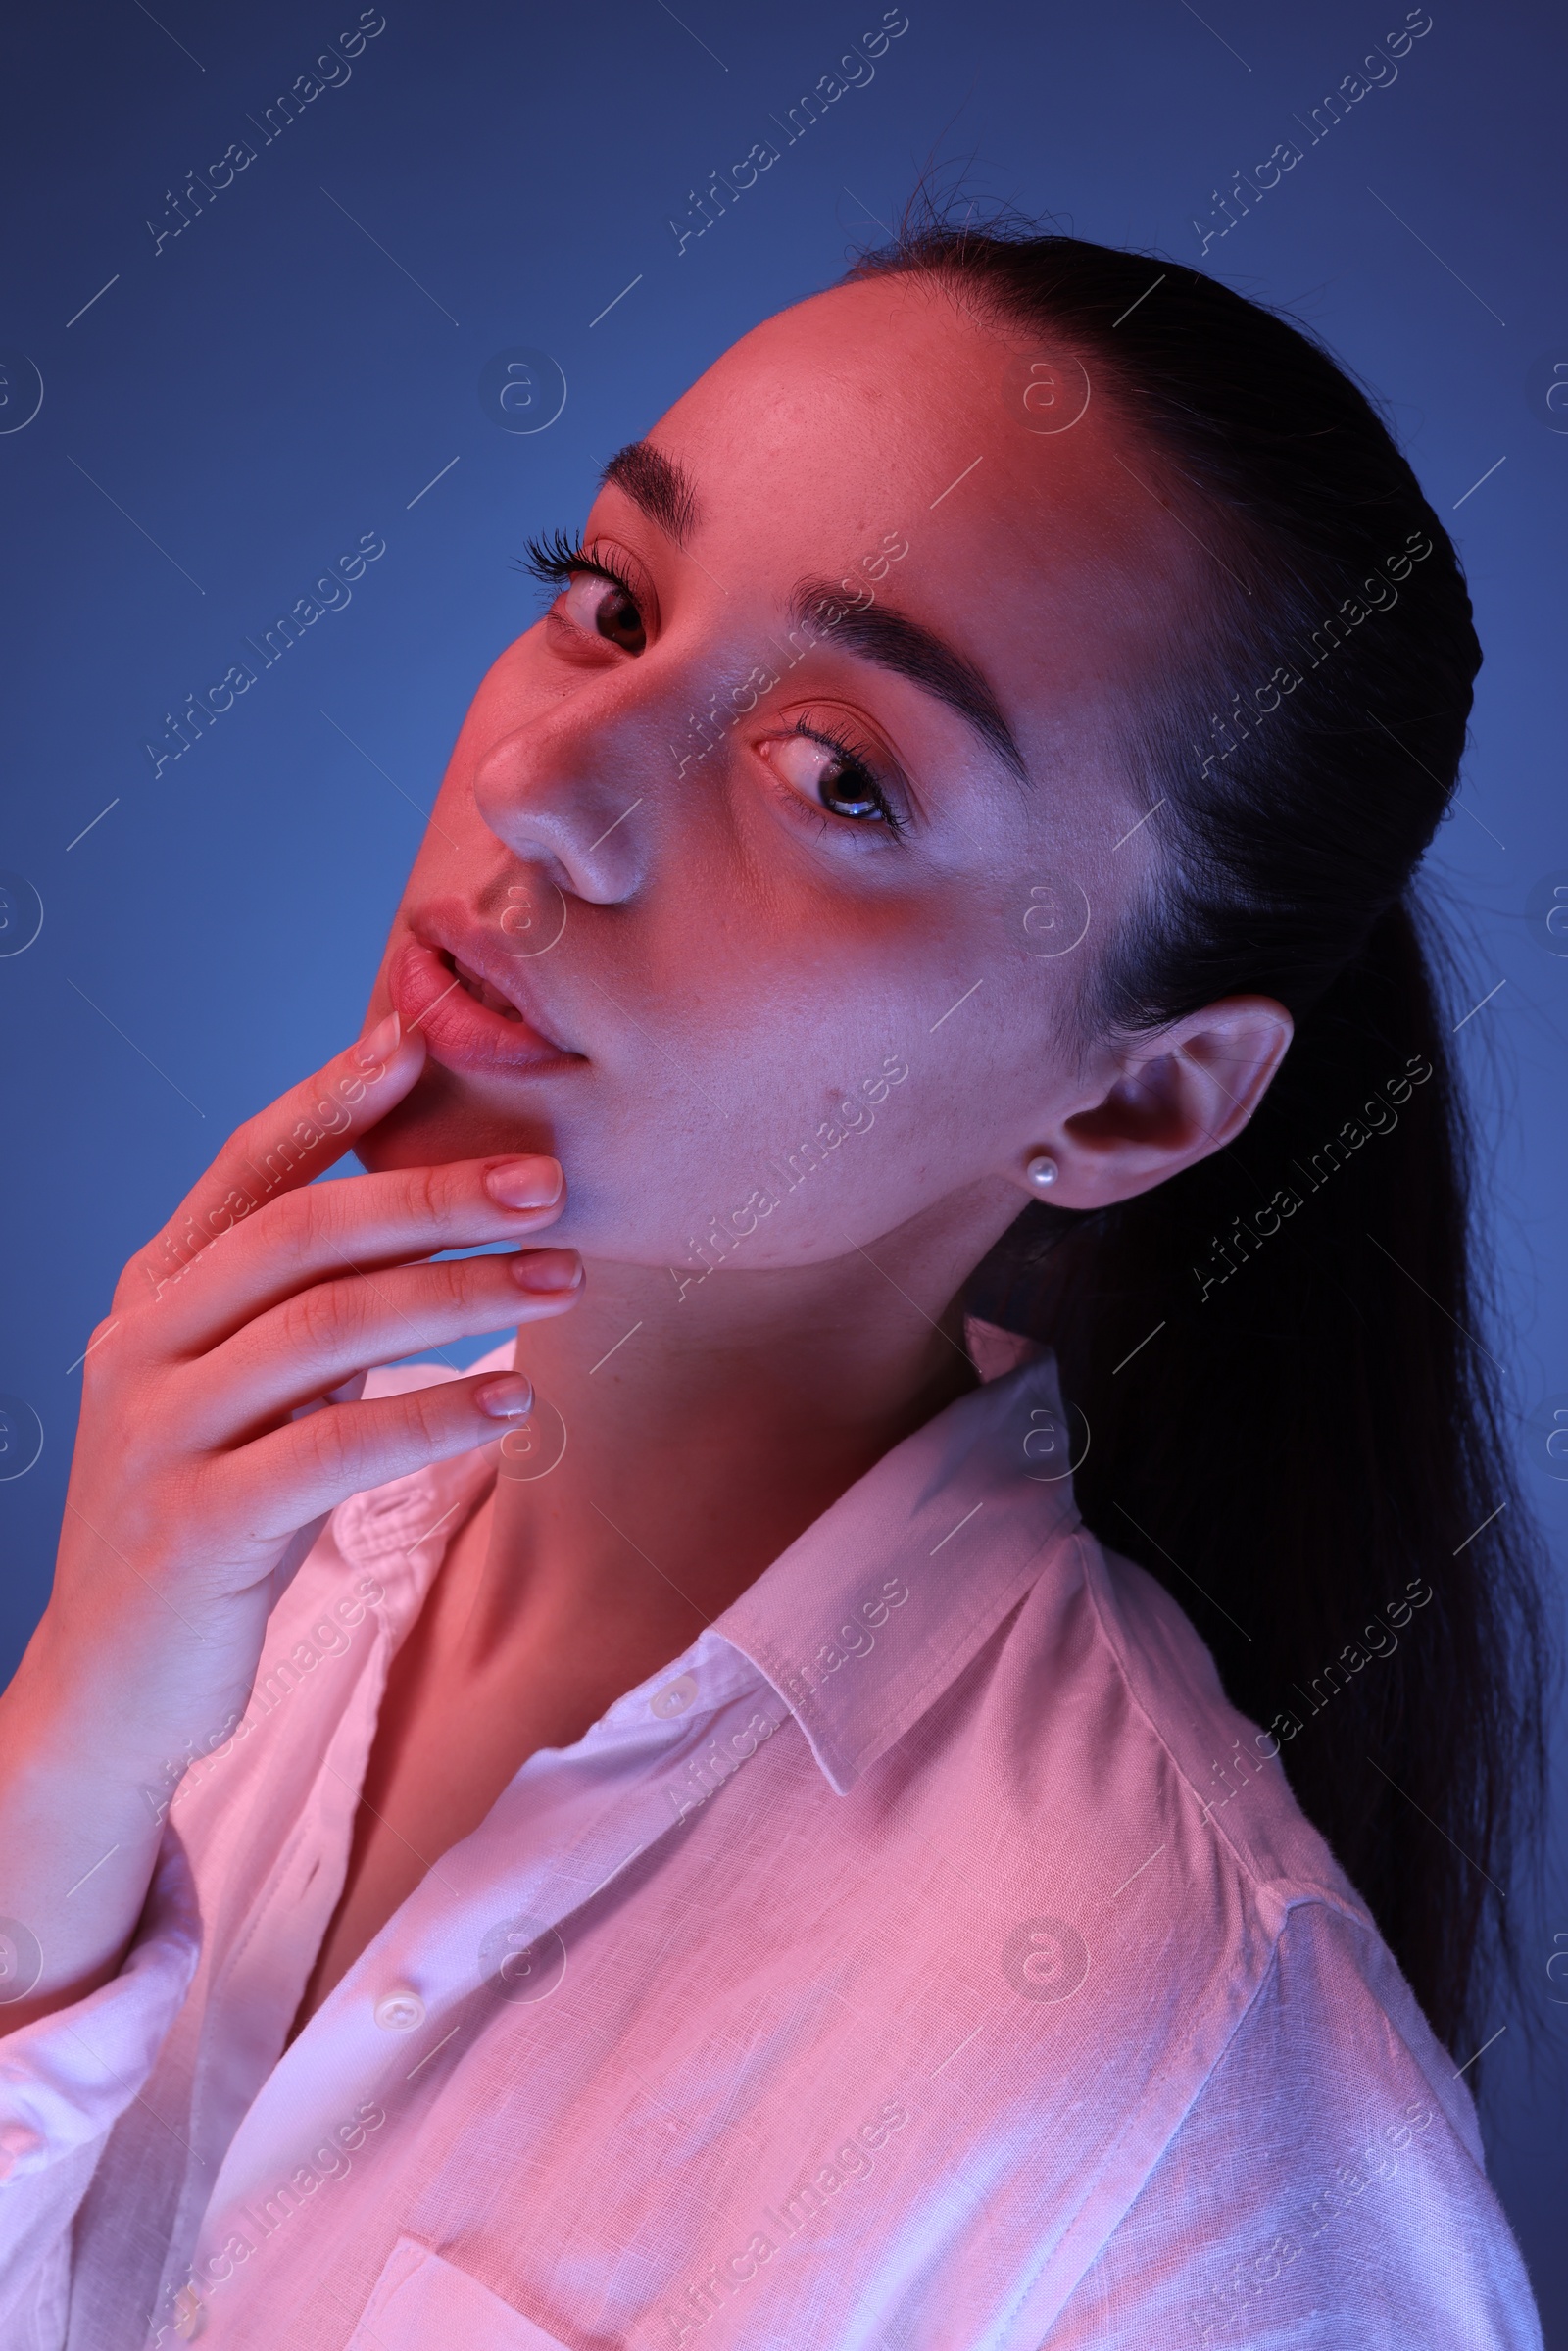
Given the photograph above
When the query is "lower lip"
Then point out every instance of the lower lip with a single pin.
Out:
(460, 1032)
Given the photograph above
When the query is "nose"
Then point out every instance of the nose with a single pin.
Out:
(569, 794)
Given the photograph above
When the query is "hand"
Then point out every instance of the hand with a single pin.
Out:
(208, 1451)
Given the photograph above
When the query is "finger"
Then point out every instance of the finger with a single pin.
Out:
(306, 1468)
(358, 1225)
(304, 1538)
(279, 1150)
(296, 1551)
(311, 1343)
(347, 1391)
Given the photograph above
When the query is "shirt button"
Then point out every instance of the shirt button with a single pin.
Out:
(675, 1696)
(400, 2012)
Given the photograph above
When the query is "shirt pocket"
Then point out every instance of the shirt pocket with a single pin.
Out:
(422, 2303)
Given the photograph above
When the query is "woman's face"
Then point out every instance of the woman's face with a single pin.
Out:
(753, 885)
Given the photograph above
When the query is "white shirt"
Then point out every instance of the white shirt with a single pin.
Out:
(928, 1960)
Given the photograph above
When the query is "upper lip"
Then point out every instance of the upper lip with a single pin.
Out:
(456, 934)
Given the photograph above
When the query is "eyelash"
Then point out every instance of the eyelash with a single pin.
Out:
(553, 559)
(857, 772)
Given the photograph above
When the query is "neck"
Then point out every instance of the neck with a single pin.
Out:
(692, 1437)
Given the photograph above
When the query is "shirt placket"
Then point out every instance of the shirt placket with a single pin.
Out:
(272, 1941)
(482, 1928)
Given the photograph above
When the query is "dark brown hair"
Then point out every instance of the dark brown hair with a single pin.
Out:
(1294, 1418)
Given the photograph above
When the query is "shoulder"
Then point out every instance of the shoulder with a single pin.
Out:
(1326, 2184)
(1285, 2146)
(1227, 1764)
(1126, 1742)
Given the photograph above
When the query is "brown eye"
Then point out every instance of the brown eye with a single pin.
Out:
(828, 776)
(601, 606)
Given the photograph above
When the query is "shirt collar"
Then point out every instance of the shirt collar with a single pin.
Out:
(880, 1605)
(872, 1612)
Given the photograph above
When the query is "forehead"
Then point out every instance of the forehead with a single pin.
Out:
(1046, 554)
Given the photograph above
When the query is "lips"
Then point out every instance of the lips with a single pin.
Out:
(472, 1012)
(480, 990)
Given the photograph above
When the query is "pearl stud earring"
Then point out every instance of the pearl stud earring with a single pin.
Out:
(1042, 1171)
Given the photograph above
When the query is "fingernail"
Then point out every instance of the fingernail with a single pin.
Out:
(524, 1183)
(377, 1049)
(547, 1270)
(508, 1398)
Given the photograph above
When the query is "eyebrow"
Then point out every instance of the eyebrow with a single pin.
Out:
(665, 492)
(890, 639)
(657, 484)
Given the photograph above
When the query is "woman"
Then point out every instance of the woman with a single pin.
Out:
(709, 1846)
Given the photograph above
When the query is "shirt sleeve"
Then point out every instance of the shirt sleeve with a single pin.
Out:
(1325, 2188)
(64, 2081)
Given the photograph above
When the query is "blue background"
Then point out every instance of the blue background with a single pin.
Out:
(239, 406)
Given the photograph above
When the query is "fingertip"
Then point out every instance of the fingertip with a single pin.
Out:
(547, 1273)
(508, 1396)
(380, 1043)
(388, 1051)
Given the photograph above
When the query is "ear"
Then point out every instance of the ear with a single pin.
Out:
(1171, 1098)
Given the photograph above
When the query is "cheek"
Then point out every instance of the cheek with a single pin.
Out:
(786, 1060)
(785, 1114)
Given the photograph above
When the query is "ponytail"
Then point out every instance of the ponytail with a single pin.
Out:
(1308, 1454)
(1292, 1396)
